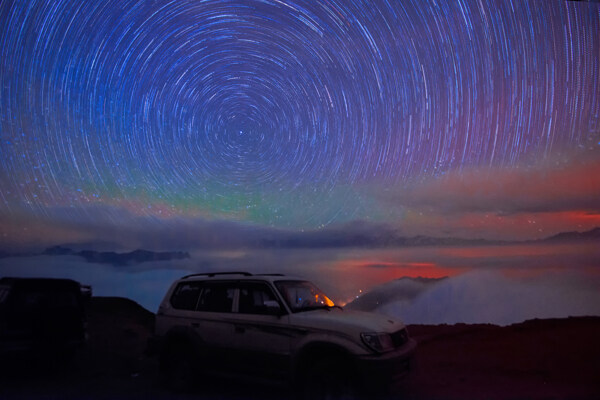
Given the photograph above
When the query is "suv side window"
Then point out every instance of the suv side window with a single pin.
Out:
(27, 300)
(216, 297)
(254, 298)
(185, 297)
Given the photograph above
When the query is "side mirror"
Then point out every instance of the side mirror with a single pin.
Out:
(272, 307)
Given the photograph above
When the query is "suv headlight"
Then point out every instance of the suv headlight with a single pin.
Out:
(380, 342)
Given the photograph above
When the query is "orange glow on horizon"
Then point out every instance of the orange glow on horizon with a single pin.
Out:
(382, 271)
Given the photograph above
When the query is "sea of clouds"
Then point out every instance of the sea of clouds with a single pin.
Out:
(485, 296)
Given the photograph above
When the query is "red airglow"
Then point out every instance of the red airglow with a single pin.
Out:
(383, 271)
(518, 250)
(509, 227)
(507, 204)
(498, 251)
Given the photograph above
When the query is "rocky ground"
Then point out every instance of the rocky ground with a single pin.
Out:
(539, 359)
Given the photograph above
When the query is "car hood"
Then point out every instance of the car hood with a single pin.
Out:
(346, 321)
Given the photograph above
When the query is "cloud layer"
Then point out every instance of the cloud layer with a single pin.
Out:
(574, 187)
(498, 284)
(489, 297)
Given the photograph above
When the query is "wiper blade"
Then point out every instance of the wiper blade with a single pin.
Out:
(321, 307)
(328, 308)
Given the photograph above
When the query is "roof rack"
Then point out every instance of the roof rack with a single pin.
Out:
(211, 274)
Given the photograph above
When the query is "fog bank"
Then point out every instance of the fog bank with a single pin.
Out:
(488, 297)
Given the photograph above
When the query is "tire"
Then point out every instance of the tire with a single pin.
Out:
(329, 379)
(177, 367)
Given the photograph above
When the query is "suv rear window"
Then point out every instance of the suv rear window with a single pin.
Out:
(203, 296)
(186, 296)
(29, 299)
(216, 297)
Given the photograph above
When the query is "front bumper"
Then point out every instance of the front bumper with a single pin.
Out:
(386, 371)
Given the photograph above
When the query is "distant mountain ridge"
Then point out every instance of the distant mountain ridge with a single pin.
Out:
(593, 234)
(338, 238)
(118, 259)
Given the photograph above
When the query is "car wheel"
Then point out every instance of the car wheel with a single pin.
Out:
(178, 368)
(329, 380)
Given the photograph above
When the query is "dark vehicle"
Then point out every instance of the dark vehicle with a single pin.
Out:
(42, 315)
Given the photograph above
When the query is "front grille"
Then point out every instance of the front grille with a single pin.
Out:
(400, 337)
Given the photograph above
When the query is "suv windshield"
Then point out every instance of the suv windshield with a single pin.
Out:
(303, 296)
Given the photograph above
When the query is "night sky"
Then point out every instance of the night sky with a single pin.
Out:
(443, 118)
(308, 137)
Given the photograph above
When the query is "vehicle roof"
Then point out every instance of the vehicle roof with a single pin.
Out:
(236, 275)
(9, 281)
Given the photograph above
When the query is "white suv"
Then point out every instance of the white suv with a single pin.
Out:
(280, 327)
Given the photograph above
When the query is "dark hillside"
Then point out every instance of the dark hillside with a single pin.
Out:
(102, 308)
(537, 359)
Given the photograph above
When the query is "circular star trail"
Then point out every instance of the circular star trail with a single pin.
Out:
(276, 111)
